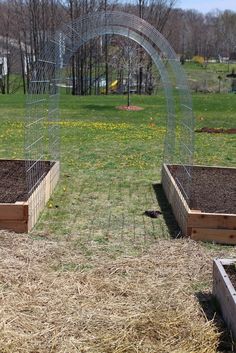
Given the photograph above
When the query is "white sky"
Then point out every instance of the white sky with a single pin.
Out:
(207, 5)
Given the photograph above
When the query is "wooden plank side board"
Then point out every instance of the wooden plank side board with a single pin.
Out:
(41, 195)
(18, 226)
(217, 227)
(223, 236)
(54, 177)
(20, 217)
(212, 166)
(171, 187)
(13, 211)
(175, 199)
(212, 220)
(225, 293)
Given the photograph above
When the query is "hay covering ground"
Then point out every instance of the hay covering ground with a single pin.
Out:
(56, 298)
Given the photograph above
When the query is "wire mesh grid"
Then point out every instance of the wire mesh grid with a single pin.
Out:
(42, 141)
(107, 207)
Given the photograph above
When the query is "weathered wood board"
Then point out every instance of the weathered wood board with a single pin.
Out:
(225, 293)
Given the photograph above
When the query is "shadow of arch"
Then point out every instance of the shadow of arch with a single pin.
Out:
(212, 311)
(167, 213)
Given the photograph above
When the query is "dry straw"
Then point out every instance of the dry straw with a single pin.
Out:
(56, 299)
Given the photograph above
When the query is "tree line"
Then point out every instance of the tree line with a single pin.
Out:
(25, 26)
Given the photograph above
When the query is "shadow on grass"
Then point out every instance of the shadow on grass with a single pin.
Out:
(167, 213)
(212, 311)
(99, 107)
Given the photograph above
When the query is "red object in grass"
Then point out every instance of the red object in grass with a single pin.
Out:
(129, 108)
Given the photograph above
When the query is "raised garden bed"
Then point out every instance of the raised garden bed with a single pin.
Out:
(224, 285)
(19, 210)
(210, 214)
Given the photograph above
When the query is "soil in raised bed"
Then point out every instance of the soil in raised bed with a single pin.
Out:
(231, 272)
(213, 190)
(212, 130)
(13, 185)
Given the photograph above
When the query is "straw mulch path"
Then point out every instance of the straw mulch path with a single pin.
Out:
(57, 298)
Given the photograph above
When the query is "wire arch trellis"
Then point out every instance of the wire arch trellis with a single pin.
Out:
(41, 122)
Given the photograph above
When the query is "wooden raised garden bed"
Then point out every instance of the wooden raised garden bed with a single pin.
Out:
(224, 284)
(210, 215)
(19, 211)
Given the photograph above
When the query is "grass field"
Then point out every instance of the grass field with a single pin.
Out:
(96, 275)
(205, 78)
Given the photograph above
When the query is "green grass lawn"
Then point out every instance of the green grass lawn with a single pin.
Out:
(206, 77)
(87, 121)
(111, 158)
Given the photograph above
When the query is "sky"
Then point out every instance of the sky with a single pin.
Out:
(207, 5)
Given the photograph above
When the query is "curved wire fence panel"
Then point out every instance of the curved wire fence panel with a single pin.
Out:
(41, 128)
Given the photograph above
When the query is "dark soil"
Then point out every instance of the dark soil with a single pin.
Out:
(231, 272)
(213, 190)
(13, 186)
(213, 130)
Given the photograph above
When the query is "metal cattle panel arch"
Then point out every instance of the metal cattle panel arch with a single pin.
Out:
(41, 123)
